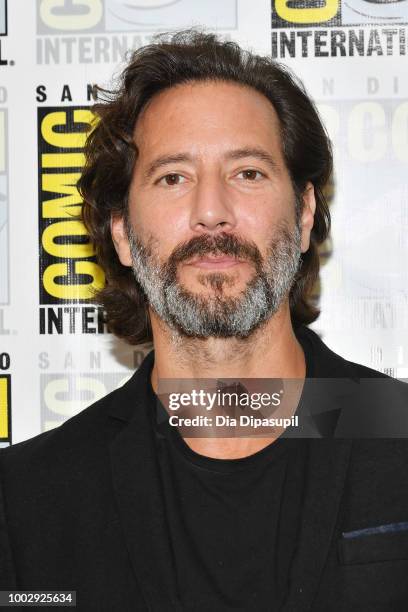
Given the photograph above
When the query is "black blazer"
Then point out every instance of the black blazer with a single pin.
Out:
(80, 509)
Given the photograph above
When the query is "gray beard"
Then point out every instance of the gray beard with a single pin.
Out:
(218, 315)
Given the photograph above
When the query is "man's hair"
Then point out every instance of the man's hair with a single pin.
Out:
(111, 154)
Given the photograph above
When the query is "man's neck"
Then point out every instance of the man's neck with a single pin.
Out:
(270, 352)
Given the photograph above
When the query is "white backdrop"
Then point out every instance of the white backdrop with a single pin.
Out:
(352, 56)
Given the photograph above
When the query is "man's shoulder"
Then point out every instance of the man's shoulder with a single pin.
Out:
(328, 363)
(77, 437)
(350, 400)
(84, 436)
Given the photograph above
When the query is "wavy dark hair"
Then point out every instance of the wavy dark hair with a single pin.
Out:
(111, 153)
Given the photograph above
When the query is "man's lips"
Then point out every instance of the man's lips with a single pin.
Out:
(223, 261)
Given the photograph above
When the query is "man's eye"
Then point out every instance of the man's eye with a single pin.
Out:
(251, 175)
(172, 179)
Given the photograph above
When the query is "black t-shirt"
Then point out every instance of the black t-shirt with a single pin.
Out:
(233, 523)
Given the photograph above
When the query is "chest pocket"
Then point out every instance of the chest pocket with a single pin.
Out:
(389, 546)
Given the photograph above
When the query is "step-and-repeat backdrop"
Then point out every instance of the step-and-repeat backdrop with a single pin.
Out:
(56, 358)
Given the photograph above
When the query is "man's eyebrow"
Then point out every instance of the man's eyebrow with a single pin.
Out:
(256, 152)
(164, 160)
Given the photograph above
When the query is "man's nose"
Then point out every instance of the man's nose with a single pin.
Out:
(212, 208)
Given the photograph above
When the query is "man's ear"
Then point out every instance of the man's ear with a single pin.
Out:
(120, 240)
(307, 217)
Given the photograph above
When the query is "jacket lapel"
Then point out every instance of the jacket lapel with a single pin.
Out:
(326, 472)
(322, 403)
(136, 481)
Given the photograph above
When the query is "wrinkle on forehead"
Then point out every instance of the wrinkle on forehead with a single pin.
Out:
(217, 98)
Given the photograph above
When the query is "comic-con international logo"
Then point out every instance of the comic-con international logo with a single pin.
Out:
(68, 271)
(326, 28)
(101, 31)
(370, 137)
(65, 394)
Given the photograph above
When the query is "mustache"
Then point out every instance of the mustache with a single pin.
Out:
(221, 244)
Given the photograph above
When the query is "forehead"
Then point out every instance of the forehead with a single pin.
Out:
(208, 114)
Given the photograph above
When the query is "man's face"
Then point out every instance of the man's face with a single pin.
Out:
(212, 234)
